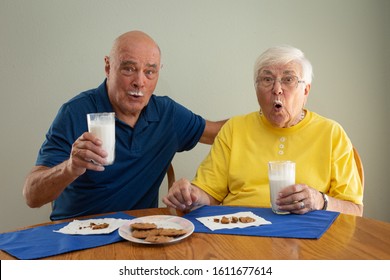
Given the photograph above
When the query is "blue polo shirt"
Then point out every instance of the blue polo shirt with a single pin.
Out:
(142, 154)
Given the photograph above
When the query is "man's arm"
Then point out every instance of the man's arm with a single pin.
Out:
(44, 184)
(210, 132)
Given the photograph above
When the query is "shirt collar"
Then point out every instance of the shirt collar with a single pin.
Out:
(151, 112)
(103, 102)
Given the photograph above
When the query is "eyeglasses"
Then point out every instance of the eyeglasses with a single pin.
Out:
(287, 82)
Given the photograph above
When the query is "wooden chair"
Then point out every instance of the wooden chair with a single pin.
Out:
(359, 164)
(170, 176)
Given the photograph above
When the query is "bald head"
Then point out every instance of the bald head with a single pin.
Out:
(131, 39)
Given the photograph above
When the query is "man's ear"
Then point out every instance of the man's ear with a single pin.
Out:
(107, 66)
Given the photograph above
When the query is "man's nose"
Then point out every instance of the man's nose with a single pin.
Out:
(139, 80)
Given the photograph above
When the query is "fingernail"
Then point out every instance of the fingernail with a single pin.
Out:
(101, 168)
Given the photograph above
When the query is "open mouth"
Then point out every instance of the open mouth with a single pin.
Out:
(278, 104)
(135, 93)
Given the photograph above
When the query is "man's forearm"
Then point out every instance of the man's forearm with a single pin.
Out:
(211, 131)
(44, 184)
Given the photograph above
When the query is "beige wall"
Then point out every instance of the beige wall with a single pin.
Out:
(52, 50)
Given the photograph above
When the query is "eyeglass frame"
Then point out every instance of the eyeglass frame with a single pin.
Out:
(258, 81)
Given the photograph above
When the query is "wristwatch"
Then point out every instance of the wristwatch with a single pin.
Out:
(326, 200)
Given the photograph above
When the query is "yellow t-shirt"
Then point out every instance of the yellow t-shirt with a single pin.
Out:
(235, 172)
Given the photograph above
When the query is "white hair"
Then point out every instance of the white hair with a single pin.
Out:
(283, 55)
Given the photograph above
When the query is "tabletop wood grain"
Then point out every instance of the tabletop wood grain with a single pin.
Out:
(348, 238)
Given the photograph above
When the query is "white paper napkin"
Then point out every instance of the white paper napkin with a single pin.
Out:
(83, 227)
(212, 225)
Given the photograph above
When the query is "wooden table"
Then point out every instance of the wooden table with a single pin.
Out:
(349, 237)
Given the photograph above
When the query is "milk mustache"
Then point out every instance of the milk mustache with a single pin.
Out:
(102, 125)
(280, 174)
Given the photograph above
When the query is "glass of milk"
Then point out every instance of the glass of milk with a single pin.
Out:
(102, 125)
(280, 174)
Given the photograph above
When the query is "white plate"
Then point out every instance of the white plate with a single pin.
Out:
(162, 221)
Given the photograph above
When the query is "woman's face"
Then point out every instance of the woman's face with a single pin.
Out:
(282, 93)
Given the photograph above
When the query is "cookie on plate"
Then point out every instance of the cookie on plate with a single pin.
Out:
(143, 226)
(142, 234)
(158, 239)
(172, 232)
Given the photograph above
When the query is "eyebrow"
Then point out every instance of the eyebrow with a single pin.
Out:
(289, 72)
(267, 72)
(151, 65)
(128, 62)
(284, 72)
(131, 62)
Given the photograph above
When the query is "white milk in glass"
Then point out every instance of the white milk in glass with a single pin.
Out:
(280, 174)
(102, 125)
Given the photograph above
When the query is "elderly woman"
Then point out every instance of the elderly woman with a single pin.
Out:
(235, 172)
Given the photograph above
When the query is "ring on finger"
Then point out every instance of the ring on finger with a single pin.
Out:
(302, 205)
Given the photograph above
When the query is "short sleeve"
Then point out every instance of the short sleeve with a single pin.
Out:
(65, 129)
(189, 127)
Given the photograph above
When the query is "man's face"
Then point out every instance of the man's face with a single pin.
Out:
(132, 73)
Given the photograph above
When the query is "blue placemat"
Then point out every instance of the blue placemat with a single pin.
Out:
(40, 242)
(311, 225)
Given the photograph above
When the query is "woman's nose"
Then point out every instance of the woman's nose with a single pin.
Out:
(277, 88)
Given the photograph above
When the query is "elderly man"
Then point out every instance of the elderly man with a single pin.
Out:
(149, 131)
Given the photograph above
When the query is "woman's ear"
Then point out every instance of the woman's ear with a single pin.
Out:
(307, 90)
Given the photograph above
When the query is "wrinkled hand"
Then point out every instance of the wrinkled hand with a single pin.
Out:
(182, 195)
(299, 199)
(87, 153)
